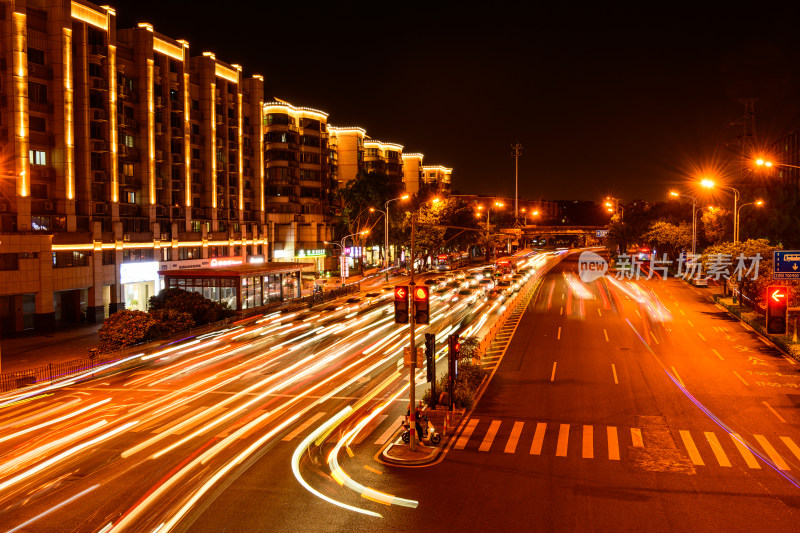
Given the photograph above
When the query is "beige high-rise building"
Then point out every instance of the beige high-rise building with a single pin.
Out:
(386, 158)
(347, 153)
(412, 172)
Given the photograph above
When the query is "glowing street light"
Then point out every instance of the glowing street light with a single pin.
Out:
(709, 184)
(386, 231)
(757, 203)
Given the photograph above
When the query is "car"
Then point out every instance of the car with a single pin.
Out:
(442, 279)
(700, 282)
(431, 282)
(486, 284)
(488, 272)
(354, 300)
(469, 295)
(472, 279)
(504, 284)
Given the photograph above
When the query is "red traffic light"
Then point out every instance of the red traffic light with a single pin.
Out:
(778, 294)
(421, 294)
(401, 292)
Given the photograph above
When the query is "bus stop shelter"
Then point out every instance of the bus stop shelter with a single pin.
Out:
(240, 286)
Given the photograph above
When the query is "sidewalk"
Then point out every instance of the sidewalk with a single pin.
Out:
(23, 351)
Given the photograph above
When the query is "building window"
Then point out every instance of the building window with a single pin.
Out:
(35, 56)
(130, 142)
(39, 191)
(37, 124)
(9, 262)
(133, 255)
(37, 93)
(129, 197)
(109, 257)
(70, 259)
(37, 157)
(189, 252)
(127, 169)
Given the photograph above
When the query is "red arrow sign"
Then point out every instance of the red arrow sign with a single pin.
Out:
(777, 295)
(400, 293)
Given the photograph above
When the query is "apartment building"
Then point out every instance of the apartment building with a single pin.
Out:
(346, 153)
(299, 199)
(386, 158)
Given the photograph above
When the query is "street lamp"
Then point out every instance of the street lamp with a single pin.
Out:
(612, 205)
(497, 203)
(386, 232)
(765, 163)
(343, 259)
(676, 194)
(709, 184)
(757, 203)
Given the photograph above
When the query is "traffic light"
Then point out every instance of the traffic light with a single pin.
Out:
(777, 310)
(453, 353)
(422, 304)
(401, 304)
(430, 356)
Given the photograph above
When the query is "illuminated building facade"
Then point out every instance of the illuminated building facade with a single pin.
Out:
(123, 152)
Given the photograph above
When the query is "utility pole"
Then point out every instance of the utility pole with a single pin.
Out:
(412, 428)
(516, 151)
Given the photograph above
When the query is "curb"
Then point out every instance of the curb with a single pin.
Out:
(431, 457)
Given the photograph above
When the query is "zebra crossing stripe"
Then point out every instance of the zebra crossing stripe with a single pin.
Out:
(792, 446)
(772, 452)
(538, 438)
(588, 442)
(613, 443)
(488, 439)
(636, 436)
(716, 447)
(748, 456)
(466, 434)
(513, 439)
(563, 440)
(694, 453)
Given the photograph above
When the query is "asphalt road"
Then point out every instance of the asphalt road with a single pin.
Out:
(164, 445)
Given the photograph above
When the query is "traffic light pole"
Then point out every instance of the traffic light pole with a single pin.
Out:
(412, 426)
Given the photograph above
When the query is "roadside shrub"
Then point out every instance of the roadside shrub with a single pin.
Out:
(469, 378)
(469, 347)
(201, 309)
(170, 321)
(126, 328)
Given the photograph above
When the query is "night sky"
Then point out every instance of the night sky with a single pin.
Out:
(614, 100)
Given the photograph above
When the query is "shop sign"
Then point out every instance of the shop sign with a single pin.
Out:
(226, 261)
(255, 259)
(138, 272)
(311, 253)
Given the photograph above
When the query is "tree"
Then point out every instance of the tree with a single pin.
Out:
(620, 236)
(670, 238)
(202, 310)
(366, 190)
(126, 328)
(170, 321)
(716, 225)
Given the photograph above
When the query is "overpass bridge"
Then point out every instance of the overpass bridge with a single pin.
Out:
(539, 235)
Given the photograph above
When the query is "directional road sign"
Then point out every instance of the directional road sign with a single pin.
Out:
(787, 264)
(602, 233)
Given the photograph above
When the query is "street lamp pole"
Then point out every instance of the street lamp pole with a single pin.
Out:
(412, 382)
(694, 219)
(710, 184)
(738, 217)
(516, 151)
(343, 259)
(386, 233)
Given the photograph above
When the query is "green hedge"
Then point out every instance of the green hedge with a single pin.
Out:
(757, 322)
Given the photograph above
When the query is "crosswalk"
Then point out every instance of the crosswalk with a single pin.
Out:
(586, 441)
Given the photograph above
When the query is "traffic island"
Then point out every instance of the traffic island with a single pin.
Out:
(400, 454)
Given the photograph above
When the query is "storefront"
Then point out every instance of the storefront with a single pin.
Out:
(242, 286)
(314, 257)
(139, 282)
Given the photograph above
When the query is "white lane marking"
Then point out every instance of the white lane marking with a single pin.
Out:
(389, 431)
(553, 374)
(558, 337)
(717, 354)
(774, 412)
(598, 312)
(466, 434)
(654, 337)
(735, 373)
(513, 439)
(304, 426)
(613, 443)
(681, 310)
(606, 334)
(563, 440)
(772, 452)
(369, 428)
(614, 370)
(636, 436)
(538, 438)
(694, 453)
(678, 377)
(690, 323)
(700, 335)
(488, 439)
(716, 447)
(561, 311)
(637, 313)
(748, 456)
(588, 442)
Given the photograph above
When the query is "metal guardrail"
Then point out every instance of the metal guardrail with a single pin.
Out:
(325, 296)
